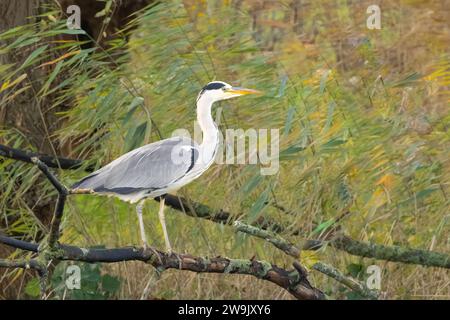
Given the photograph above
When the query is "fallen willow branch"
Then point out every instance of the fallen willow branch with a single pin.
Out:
(194, 209)
(293, 281)
(290, 249)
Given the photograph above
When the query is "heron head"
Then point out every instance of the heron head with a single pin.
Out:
(218, 90)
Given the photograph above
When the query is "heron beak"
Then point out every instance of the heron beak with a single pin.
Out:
(242, 91)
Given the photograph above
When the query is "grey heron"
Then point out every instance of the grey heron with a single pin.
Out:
(164, 166)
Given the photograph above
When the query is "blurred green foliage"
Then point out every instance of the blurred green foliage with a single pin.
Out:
(93, 284)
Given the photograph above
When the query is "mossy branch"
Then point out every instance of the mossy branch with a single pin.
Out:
(291, 280)
(195, 209)
(391, 253)
(340, 242)
(293, 251)
(26, 264)
(349, 282)
(271, 237)
(49, 250)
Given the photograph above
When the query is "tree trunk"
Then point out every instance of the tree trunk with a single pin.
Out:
(25, 113)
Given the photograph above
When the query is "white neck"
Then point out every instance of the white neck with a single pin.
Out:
(209, 129)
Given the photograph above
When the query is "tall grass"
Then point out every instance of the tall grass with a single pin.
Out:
(363, 117)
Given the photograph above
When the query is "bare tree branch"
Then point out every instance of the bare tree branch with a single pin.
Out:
(28, 264)
(341, 242)
(190, 208)
(391, 253)
(353, 284)
(22, 263)
(59, 208)
(291, 280)
(293, 251)
(271, 237)
(50, 161)
(54, 181)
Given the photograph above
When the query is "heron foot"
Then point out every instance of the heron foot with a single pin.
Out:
(149, 249)
(179, 258)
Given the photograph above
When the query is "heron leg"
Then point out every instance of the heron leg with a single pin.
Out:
(139, 208)
(162, 219)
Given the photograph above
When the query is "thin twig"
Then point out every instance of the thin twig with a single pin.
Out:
(59, 208)
(54, 181)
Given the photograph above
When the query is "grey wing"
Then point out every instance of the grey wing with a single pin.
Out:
(151, 167)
